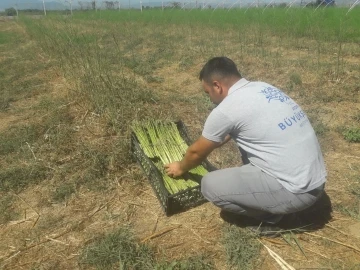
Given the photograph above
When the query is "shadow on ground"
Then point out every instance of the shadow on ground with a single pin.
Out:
(316, 216)
(311, 219)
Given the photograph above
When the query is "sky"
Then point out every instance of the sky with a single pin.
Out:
(63, 4)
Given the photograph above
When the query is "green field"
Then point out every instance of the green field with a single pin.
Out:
(71, 87)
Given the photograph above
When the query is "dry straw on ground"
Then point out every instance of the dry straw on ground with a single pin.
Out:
(51, 226)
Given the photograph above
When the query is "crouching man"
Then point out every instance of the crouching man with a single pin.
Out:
(283, 171)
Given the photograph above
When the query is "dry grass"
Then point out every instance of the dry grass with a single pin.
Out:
(91, 187)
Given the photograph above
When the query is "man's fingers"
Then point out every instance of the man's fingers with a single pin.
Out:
(169, 173)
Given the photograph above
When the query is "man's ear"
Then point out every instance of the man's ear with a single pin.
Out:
(217, 86)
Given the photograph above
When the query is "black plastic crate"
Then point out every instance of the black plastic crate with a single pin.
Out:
(171, 203)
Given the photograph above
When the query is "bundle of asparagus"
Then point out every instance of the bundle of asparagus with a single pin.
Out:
(162, 141)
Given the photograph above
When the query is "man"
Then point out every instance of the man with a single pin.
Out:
(284, 170)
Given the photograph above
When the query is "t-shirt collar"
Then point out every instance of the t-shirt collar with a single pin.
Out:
(239, 84)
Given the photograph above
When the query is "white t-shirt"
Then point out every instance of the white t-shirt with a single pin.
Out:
(273, 130)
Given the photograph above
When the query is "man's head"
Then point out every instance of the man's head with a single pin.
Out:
(217, 76)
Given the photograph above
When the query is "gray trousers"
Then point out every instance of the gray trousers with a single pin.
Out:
(247, 190)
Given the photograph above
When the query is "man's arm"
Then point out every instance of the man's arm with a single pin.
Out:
(195, 155)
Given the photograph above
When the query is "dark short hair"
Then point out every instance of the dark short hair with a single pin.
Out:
(219, 66)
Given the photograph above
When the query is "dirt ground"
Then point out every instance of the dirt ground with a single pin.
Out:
(49, 235)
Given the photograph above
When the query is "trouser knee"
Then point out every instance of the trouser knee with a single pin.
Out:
(212, 187)
(208, 186)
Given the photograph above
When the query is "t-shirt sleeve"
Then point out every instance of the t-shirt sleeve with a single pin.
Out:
(217, 126)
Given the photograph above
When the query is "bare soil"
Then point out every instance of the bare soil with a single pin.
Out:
(50, 235)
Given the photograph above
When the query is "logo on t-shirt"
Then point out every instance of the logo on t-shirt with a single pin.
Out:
(272, 93)
(298, 117)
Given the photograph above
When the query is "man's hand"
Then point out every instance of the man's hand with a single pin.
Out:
(194, 155)
(174, 169)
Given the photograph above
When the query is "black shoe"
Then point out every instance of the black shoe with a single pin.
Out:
(234, 218)
(296, 223)
(273, 219)
(255, 226)
(265, 230)
(238, 220)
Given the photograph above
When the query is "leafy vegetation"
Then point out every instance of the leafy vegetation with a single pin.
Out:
(122, 250)
(10, 12)
(63, 192)
(17, 178)
(352, 134)
(241, 247)
(7, 209)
